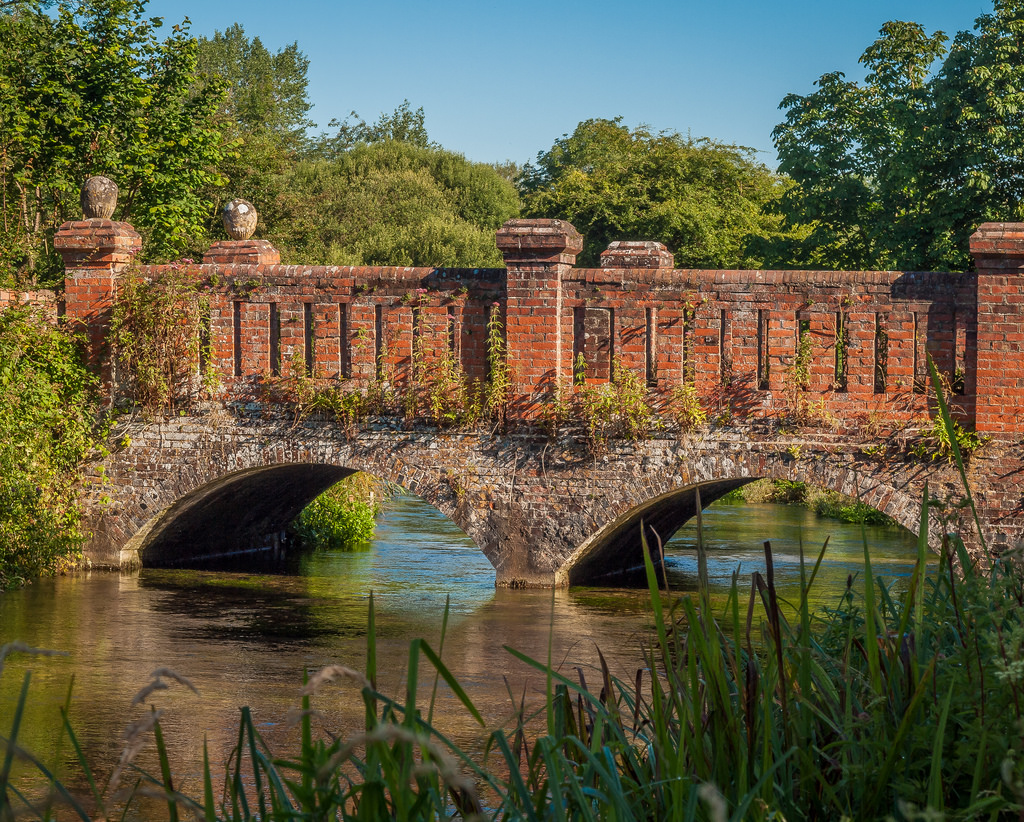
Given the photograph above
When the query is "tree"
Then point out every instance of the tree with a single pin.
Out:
(898, 170)
(264, 117)
(47, 414)
(403, 125)
(394, 203)
(265, 92)
(89, 90)
(701, 198)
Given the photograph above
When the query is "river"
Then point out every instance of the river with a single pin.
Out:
(244, 638)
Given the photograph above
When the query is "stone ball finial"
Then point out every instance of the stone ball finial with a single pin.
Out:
(240, 219)
(99, 198)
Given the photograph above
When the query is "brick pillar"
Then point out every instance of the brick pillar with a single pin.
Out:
(537, 254)
(998, 368)
(636, 342)
(95, 251)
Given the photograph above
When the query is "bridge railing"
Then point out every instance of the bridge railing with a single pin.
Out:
(851, 346)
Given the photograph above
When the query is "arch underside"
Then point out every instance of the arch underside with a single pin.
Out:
(614, 556)
(240, 512)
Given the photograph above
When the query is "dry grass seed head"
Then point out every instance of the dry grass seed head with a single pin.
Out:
(19, 647)
(329, 674)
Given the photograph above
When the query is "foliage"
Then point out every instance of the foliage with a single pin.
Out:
(936, 443)
(686, 408)
(393, 203)
(897, 171)
(601, 411)
(703, 199)
(342, 517)
(838, 506)
(158, 333)
(823, 502)
(403, 125)
(265, 92)
(47, 416)
(264, 117)
(89, 88)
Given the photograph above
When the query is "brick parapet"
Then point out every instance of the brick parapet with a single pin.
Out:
(733, 334)
(997, 366)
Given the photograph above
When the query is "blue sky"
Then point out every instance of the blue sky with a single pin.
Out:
(502, 81)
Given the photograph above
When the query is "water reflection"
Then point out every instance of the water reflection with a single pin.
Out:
(244, 638)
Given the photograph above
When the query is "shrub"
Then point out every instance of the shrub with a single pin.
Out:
(47, 429)
(342, 518)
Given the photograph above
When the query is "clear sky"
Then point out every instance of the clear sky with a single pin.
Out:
(502, 81)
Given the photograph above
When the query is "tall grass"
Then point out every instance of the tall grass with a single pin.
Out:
(888, 705)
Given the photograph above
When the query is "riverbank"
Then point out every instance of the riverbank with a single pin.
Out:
(822, 501)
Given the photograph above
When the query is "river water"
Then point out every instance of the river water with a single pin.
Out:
(245, 638)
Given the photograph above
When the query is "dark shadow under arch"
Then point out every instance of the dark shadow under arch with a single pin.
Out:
(236, 513)
(614, 556)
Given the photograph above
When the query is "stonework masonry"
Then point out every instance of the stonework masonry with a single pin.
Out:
(843, 353)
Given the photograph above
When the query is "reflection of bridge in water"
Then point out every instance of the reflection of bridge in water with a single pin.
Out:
(807, 374)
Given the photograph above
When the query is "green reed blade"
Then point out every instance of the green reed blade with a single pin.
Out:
(12, 740)
(895, 752)
(83, 764)
(65, 796)
(935, 802)
(453, 683)
(371, 663)
(947, 423)
(165, 771)
(209, 806)
(440, 653)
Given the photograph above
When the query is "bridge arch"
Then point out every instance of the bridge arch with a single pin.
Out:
(614, 549)
(221, 500)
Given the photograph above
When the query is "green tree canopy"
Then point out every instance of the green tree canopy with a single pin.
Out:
(264, 117)
(898, 170)
(266, 92)
(701, 198)
(402, 125)
(90, 88)
(394, 203)
(47, 413)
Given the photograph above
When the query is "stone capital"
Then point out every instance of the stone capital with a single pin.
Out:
(539, 241)
(242, 252)
(96, 244)
(998, 246)
(637, 254)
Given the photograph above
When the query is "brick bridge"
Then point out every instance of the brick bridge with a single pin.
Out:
(807, 375)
